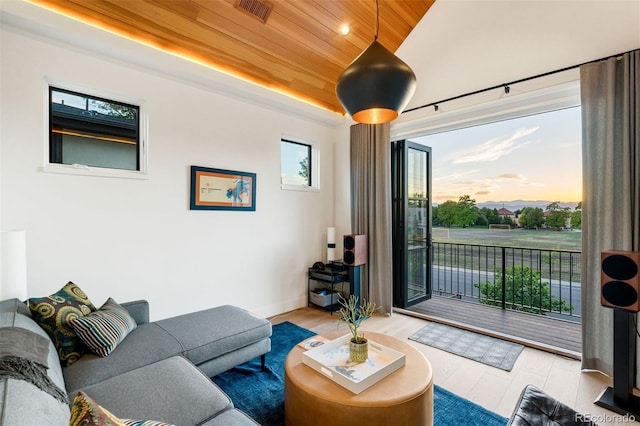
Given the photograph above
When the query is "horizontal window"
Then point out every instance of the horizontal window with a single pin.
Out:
(88, 131)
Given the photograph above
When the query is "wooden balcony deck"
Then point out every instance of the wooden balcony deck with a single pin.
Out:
(537, 331)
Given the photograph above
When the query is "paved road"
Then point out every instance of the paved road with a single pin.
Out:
(460, 281)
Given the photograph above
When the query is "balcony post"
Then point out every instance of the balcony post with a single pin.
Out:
(504, 278)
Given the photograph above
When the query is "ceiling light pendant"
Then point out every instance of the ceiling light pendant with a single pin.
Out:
(377, 85)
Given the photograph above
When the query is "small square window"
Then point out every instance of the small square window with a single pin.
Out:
(297, 165)
(93, 132)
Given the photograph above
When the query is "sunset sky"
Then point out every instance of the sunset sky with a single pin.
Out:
(531, 158)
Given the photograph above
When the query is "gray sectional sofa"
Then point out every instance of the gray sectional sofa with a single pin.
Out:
(161, 371)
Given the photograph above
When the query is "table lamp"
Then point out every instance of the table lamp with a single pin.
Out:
(14, 266)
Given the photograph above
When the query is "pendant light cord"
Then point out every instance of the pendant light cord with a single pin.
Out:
(377, 19)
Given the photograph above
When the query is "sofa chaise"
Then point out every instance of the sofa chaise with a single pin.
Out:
(160, 371)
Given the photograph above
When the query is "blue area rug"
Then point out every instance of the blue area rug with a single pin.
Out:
(260, 394)
(450, 409)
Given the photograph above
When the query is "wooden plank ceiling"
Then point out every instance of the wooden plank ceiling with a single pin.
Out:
(298, 50)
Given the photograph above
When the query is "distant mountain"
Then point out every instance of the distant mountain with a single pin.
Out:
(514, 205)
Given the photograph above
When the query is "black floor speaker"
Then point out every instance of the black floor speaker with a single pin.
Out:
(619, 290)
(620, 280)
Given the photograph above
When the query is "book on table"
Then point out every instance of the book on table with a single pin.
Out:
(331, 359)
(313, 342)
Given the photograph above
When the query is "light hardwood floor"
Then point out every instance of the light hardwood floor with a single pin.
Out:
(490, 387)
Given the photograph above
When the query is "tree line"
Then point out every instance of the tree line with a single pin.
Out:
(465, 213)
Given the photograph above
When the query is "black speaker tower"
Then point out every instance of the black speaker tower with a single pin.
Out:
(617, 269)
(354, 281)
(620, 397)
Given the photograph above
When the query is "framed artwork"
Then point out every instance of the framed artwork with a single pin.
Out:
(217, 189)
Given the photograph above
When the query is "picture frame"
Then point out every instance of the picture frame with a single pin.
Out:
(219, 189)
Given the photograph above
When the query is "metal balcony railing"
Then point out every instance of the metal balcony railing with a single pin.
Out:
(544, 282)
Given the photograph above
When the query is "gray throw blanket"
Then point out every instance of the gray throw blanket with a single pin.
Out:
(23, 356)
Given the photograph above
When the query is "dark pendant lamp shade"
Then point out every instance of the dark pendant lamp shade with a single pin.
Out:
(376, 86)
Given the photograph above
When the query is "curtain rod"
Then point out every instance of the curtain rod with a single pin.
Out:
(522, 80)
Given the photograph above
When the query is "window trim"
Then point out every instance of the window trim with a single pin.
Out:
(314, 165)
(546, 99)
(82, 169)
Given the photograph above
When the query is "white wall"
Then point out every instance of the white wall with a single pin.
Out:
(134, 239)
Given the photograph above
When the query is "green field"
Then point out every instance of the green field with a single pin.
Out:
(536, 239)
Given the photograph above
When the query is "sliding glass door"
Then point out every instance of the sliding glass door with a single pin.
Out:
(411, 192)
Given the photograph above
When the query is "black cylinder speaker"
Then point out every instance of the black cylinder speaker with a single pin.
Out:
(620, 280)
(355, 249)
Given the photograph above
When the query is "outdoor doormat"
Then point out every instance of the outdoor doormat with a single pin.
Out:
(478, 347)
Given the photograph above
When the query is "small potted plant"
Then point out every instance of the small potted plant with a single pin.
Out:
(353, 314)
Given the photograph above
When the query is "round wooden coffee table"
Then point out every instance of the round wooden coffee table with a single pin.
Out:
(405, 397)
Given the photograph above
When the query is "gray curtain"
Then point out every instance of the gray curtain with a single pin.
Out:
(370, 158)
(611, 188)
